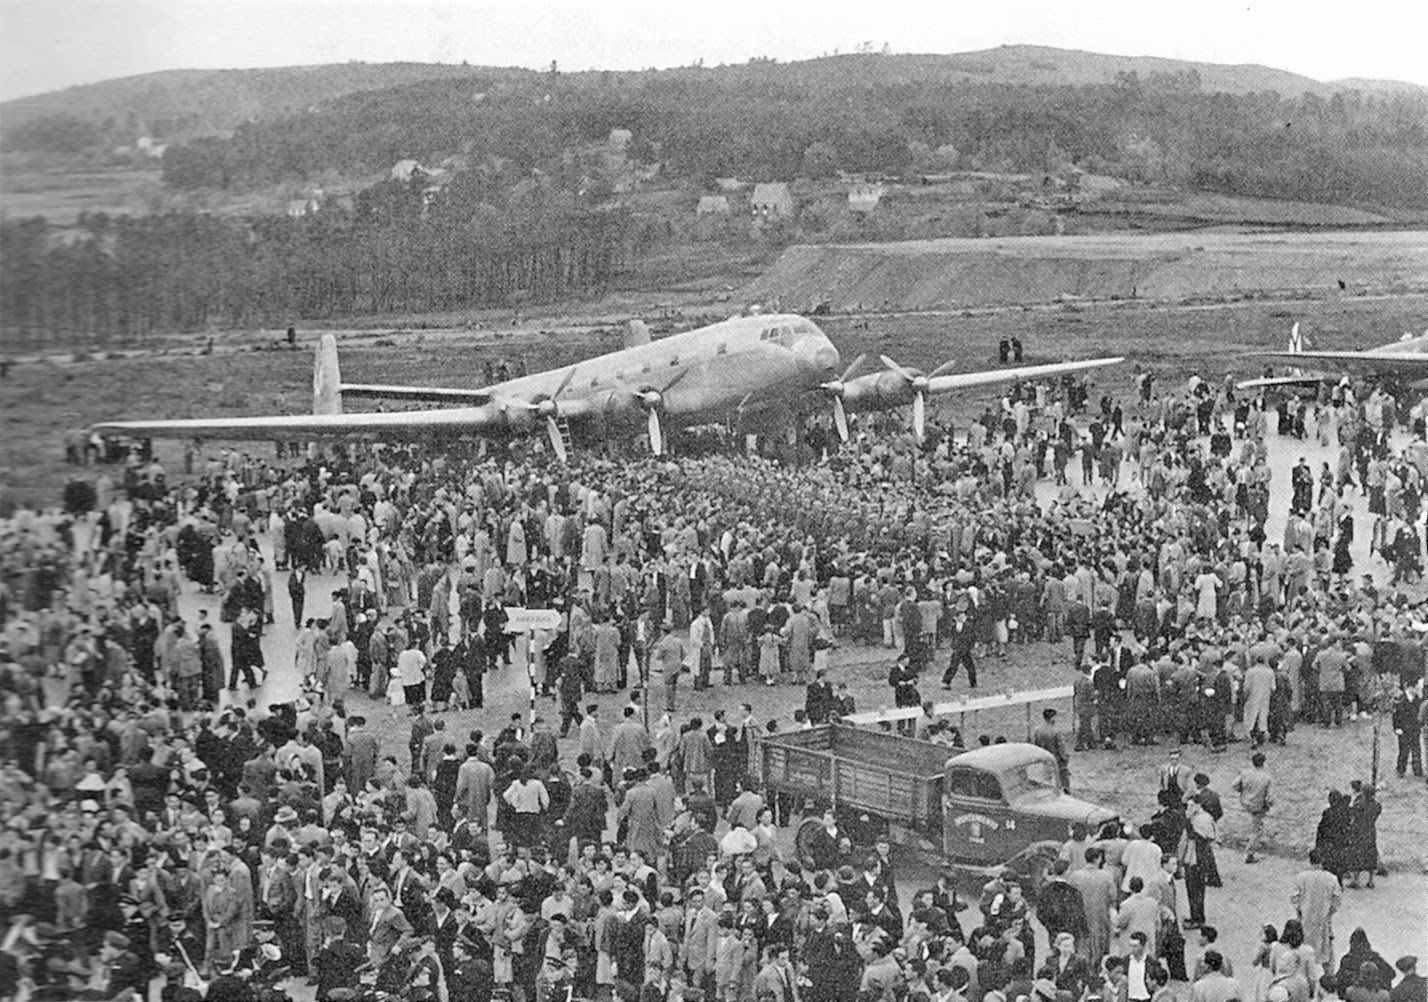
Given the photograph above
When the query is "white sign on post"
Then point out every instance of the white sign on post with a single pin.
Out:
(530, 620)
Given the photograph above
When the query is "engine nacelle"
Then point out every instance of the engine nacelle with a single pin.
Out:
(886, 388)
(515, 415)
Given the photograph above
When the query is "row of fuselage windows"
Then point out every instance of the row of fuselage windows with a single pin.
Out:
(783, 334)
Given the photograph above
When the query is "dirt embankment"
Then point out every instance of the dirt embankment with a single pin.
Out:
(951, 273)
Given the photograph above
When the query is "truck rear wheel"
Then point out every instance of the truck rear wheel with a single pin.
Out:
(1034, 863)
(803, 841)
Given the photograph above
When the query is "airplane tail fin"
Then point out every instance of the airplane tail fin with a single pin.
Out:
(326, 378)
(1296, 340)
(637, 334)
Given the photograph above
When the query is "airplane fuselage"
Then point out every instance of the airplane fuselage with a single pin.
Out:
(744, 363)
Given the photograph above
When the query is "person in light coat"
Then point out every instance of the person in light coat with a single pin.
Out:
(1258, 689)
(1315, 898)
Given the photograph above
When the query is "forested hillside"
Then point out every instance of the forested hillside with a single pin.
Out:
(765, 124)
(522, 185)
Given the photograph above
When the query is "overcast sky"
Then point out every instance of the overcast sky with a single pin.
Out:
(48, 44)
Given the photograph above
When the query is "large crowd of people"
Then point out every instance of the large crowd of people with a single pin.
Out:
(162, 825)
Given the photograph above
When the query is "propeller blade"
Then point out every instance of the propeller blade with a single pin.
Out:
(919, 415)
(569, 375)
(853, 367)
(840, 418)
(896, 368)
(557, 441)
(656, 434)
(675, 381)
(944, 368)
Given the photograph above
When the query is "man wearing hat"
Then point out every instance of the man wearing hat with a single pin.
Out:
(177, 943)
(260, 962)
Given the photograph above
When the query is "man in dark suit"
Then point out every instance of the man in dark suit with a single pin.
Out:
(963, 639)
(1048, 738)
(408, 890)
(823, 843)
(1078, 626)
(387, 928)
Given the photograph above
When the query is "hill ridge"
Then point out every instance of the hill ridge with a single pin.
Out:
(174, 92)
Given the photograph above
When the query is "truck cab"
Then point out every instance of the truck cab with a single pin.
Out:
(1001, 800)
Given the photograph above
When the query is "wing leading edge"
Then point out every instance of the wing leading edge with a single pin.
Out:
(450, 421)
(960, 381)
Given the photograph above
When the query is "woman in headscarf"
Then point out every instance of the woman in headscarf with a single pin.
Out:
(1335, 830)
(1362, 954)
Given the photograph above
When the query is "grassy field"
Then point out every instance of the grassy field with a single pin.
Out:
(61, 195)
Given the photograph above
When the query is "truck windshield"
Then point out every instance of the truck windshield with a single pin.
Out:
(1035, 779)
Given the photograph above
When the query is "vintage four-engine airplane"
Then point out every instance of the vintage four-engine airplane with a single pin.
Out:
(741, 366)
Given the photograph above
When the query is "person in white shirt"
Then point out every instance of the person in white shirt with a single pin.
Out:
(411, 669)
(1140, 985)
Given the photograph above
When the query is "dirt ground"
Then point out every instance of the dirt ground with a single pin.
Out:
(1166, 267)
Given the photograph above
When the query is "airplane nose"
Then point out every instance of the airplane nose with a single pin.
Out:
(818, 355)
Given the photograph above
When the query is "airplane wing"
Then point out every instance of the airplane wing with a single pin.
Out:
(1406, 365)
(962, 380)
(1265, 382)
(427, 394)
(413, 424)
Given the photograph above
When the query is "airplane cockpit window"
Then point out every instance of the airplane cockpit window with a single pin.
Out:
(673, 362)
(723, 348)
(645, 367)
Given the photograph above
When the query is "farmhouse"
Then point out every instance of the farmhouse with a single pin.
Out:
(772, 200)
(864, 197)
(712, 205)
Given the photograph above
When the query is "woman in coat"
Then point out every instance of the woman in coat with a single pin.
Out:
(1334, 833)
(1361, 854)
(221, 909)
(607, 656)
